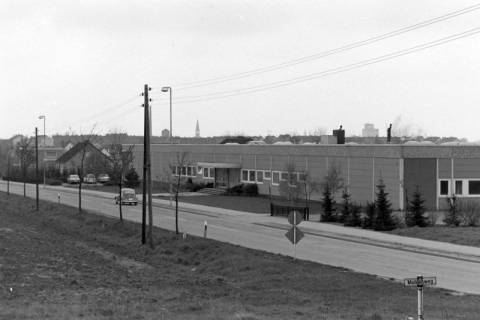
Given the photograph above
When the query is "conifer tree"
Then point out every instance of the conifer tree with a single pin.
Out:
(416, 209)
(383, 219)
(328, 205)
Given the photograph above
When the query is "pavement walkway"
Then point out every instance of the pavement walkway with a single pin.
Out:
(435, 248)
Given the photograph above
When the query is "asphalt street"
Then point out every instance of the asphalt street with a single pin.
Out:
(260, 231)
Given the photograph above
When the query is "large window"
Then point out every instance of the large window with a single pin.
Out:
(185, 171)
(252, 176)
(275, 177)
(458, 187)
(267, 175)
(209, 173)
(444, 187)
(260, 176)
(474, 187)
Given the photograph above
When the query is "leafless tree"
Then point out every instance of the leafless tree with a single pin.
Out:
(176, 168)
(25, 154)
(85, 143)
(333, 180)
(122, 160)
(290, 188)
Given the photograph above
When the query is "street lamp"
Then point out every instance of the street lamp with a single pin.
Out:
(44, 136)
(44, 145)
(169, 89)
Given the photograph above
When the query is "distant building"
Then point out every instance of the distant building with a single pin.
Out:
(165, 133)
(369, 130)
(197, 130)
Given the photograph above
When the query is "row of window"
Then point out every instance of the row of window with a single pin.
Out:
(258, 176)
(461, 187)
(192, 171)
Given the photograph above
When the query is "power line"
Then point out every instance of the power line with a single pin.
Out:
(112, 108)
(323, 54)
(363, 63)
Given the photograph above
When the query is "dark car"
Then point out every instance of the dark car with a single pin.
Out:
(128, 197)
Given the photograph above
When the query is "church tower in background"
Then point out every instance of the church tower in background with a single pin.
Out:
(197, 130)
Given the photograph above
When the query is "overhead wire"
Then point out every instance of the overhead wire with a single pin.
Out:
(323, 54)
(332, 71)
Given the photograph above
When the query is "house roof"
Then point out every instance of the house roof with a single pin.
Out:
(78, 148)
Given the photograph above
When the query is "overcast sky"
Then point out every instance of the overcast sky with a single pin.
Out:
(84, 63)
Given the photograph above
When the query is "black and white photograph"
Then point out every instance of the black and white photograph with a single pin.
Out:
(240, 159)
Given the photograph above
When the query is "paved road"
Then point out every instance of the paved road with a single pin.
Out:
(260, 231)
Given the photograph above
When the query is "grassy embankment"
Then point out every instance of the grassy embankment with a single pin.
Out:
(58, 264)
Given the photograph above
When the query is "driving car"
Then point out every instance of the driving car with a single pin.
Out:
(73, 178)
(90, 178)
(103, 178)
(128, 196)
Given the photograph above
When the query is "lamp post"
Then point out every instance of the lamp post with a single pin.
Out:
(169, 89)
(44, 145)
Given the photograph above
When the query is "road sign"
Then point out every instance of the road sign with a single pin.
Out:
(294, 218)
(294, 235)
(420, 281)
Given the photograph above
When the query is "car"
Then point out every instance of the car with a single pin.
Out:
(90, 178)
(128, 197)
(103, 178)
(73, 179)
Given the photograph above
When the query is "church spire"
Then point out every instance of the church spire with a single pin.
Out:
(197, 130)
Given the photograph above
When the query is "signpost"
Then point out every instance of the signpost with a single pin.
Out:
(294, 234)
(420, 282)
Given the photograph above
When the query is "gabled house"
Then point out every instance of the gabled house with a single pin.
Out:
(95, 161)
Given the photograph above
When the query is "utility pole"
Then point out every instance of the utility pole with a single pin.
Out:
(146, 155)
(36, 165)
(149, 181)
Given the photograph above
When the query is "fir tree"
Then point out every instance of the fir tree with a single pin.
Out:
(383, 219)
(328, 205)
(416, 209)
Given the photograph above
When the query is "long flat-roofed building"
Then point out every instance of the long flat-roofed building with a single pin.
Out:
(439, 171)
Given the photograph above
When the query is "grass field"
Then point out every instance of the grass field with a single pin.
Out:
(58, 264)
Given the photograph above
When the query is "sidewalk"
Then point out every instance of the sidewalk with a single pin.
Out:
(316, 228)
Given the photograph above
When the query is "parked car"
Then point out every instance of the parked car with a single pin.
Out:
(73, 178)
(128, 197)
(103, 178)
(90, 178)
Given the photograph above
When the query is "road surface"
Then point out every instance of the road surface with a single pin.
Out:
(260, 231)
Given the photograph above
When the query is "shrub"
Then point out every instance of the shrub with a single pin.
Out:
(346, 207)
(132, 178)
(452, 218)
(236, 190)
(54, 182)
(469, 212)
(369, 218)
(353, 219)
(250, 189)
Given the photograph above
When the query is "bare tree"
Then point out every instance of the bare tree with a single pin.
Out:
(122, 160)
(290, 188)
(25, 154)
(85, 143)
(176, 168)
(333, 180)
